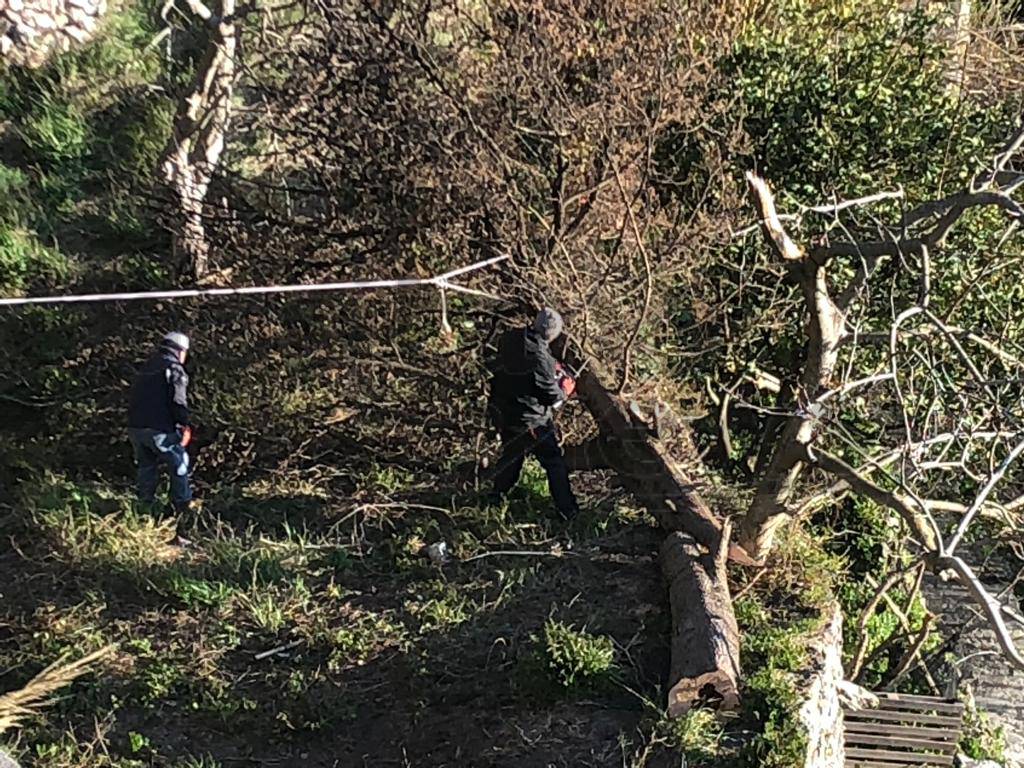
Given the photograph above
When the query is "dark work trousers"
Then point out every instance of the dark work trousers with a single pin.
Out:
(542, 442)
(153, 448)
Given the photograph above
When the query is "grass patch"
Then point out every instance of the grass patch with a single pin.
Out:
(388, 479)
(698, 735)
(96, 529)
(24, 260)
(204, 761)
(192, 591)
(55, 132)
(67, 752)
(576, 659)
(440, 606)
(363, 637)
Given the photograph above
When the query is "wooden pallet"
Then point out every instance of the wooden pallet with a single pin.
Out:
(904, 732)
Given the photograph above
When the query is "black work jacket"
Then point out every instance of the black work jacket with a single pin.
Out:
(159, 398)
(524, 384)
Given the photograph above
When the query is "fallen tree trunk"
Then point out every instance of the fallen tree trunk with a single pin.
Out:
(705, 639)
(628, 446)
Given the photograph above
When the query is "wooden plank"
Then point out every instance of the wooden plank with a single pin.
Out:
(914, 696)
(876, 764)
(904, 706)
(936, 733)
(941, 707)
(881, 740)
(900, 758)
(909, 718)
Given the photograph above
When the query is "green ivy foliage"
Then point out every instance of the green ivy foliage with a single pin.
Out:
(853, 97)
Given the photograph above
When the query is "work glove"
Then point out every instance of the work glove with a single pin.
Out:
(186, 435)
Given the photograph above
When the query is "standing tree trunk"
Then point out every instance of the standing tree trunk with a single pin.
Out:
(197, 140)
(825, 329)
(979, 416)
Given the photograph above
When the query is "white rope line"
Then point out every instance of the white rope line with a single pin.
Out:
(441, 281)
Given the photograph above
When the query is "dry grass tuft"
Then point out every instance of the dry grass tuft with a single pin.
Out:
(25, 702)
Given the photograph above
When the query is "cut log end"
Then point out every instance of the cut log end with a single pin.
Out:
(716, 689)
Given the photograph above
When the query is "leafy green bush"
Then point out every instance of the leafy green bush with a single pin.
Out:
(982, 739)
(774, 647)
(576, 658)
(851, 95)
(843, 97)
(772, 704)
(776, 619)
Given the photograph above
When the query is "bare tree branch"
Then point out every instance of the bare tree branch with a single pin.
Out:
(773, 228)
(918, 519)
(992, 608)
(982, 497)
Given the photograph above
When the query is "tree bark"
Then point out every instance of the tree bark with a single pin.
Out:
(586, 456)
(705, 638)
(646, 469)
(197, 139)
(825, 330)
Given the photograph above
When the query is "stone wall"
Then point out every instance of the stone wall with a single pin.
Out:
(980, 667)
(33, 30)
(821, 712)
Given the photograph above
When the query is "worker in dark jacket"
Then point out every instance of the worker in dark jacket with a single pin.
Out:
(158, 420)
(526, 388)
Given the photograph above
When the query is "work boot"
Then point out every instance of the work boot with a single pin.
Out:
(187, 510)
(185, 516)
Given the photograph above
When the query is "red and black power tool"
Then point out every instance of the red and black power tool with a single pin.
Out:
(185, 435)
(566, 382)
